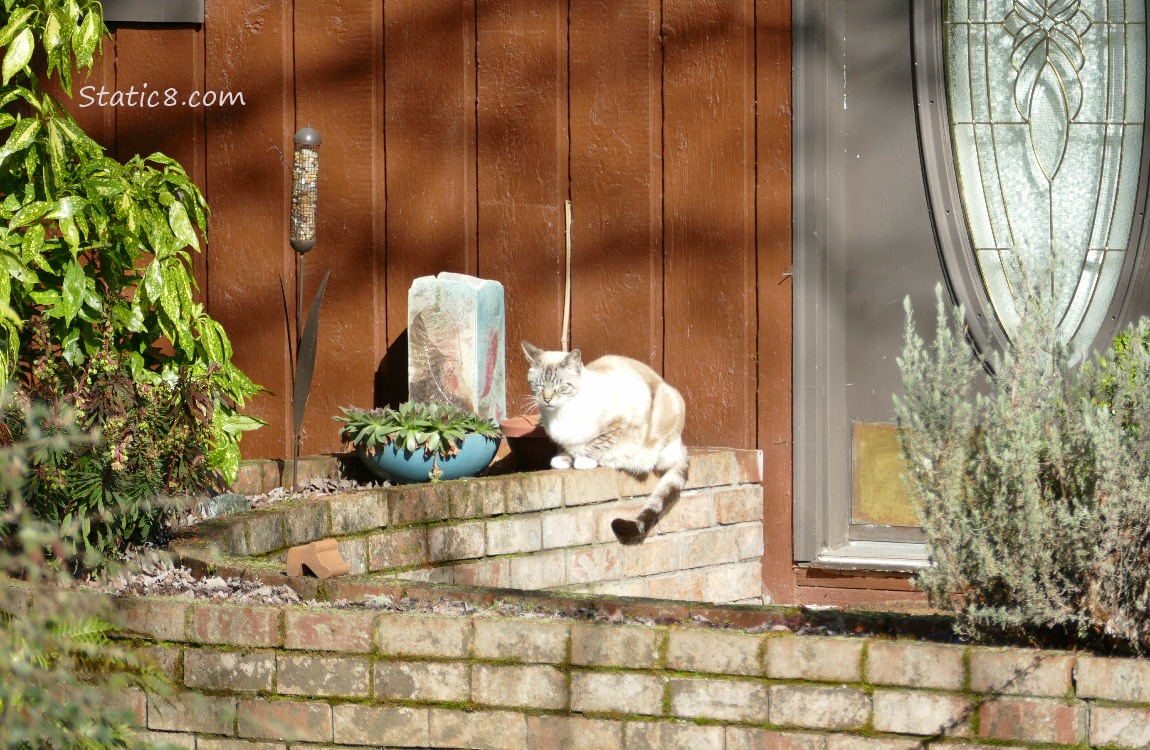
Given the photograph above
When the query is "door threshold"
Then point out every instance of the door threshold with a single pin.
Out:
(891, 557)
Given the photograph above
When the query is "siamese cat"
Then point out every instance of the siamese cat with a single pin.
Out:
(614, 412)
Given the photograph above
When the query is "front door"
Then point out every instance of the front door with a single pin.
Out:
(938, 143)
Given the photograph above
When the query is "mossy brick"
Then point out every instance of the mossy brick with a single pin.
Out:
(388, 726)
(1125, 680)
(457, 541)
(328, 630)
(476, 499)
(526, 493)
(306, 674)
(306, 522)
(15, 598)
(256, 477)
(418, 503)
(308, 468)
(692, 511)
(1119, 726)
(717, 651)
(858, 742)
(521, 686)
(541, 571)
(489, 730)
(589, 487)
(265, 531)
(616, 692)
(1031, 720)
(236, 625)
(814, 658)
(926, 714)
(1020, 672)
(355, 512)
(423, 635)
(573, 733)
(738, 505)
(602, 645)
(289, 720)
(229, 670)
(532, 641)
(636, 486)
(162, 619)
(494, 573)
(164, 658)
(812, 707)
(684, 586)
(711, 468)
(423, 681)
(660, 736)
(224, 743)
(568, 528)
(191, 712)
(655, 555)
(395, 548)
(711, 547)
(130, 703)
(748, 738)
(917, 665)
(594, 564)
(721, 700)
(182, 740)
(354, 552)
(515, 534)
(740, 581)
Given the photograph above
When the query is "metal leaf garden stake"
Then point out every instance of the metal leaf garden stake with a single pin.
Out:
(301, 359)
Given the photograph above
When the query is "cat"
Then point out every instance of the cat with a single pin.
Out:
(615, 412)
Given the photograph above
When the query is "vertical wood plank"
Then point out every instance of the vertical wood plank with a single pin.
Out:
(523, 169)
(248, 48)
(336, 46)
(709, 216)
(162, 120)
(616, 190)
(430, 141)
(773, 170)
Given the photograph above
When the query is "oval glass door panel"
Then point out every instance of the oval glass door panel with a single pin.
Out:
(1047, 110)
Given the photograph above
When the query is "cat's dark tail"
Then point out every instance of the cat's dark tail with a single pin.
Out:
(674, 464)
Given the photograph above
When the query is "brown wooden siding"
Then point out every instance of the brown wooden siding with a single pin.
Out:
(453, 133)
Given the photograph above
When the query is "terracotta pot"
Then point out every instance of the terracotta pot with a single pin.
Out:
(528, 441)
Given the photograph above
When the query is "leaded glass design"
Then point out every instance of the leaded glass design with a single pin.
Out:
(1047, 109)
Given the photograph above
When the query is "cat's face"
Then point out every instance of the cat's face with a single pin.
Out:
(553, 376)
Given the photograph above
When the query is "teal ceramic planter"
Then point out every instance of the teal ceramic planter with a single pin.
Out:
(406, 467)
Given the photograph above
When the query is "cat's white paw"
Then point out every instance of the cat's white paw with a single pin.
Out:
(561, 462)
(582, 462)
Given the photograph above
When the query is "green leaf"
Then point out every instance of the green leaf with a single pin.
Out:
(18, 54)
(87, 38)
(22, 135)
(30, 213)
(53, 32)
(182, 226)
(154, 281)
(15, 24)
(73, 291)
(33, 245)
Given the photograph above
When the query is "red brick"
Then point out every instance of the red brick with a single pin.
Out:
(380, 725)
(573, 733)
(191, 712)
(229, 670)
(1119, 726)
(285, 720)
(660, 736)
(1126, 680)
(332, 630)
(739, 505)
(1030, 720)
(745, 738)
(1017, 672)
(479, 730)
(162, 619)
(236, 625)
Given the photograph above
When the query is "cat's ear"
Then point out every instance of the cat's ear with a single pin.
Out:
(573, 360)
(533, 352)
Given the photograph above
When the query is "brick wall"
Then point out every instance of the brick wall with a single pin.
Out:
(542, 531)
(261, 678)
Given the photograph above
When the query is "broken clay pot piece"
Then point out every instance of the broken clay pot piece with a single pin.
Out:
(322, 558)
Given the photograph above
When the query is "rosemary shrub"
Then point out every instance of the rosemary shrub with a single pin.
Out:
(1032, 485)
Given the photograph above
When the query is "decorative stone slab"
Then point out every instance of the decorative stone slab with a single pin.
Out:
(456, 343)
